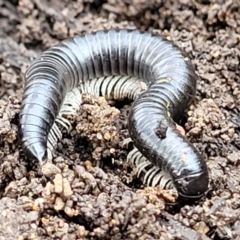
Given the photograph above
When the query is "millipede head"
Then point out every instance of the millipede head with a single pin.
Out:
(192, 186)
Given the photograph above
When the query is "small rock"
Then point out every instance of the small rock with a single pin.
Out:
(68, 211)
(58, 183)
(81, 231)
(67, 190)
(107, 136)
(201, 227)
(99, 136)
(50, 169)
(59, 204)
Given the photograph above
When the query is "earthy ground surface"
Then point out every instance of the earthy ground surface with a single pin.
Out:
(72, 199)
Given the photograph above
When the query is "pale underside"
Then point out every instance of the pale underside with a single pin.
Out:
(113, 87)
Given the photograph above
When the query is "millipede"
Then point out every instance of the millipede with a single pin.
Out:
(113, 63)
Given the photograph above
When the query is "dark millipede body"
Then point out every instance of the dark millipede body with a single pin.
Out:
(171, 84)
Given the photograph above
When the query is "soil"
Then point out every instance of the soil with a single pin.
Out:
(71, 198)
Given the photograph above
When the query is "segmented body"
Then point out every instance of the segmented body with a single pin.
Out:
(171, 84)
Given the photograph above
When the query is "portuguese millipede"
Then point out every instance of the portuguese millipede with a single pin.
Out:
(98, 61)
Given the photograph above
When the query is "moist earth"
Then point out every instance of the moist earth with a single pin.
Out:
(89, 191)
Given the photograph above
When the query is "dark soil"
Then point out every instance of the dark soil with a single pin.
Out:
(73, 199)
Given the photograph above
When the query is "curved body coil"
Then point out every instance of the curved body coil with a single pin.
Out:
(171, 82)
